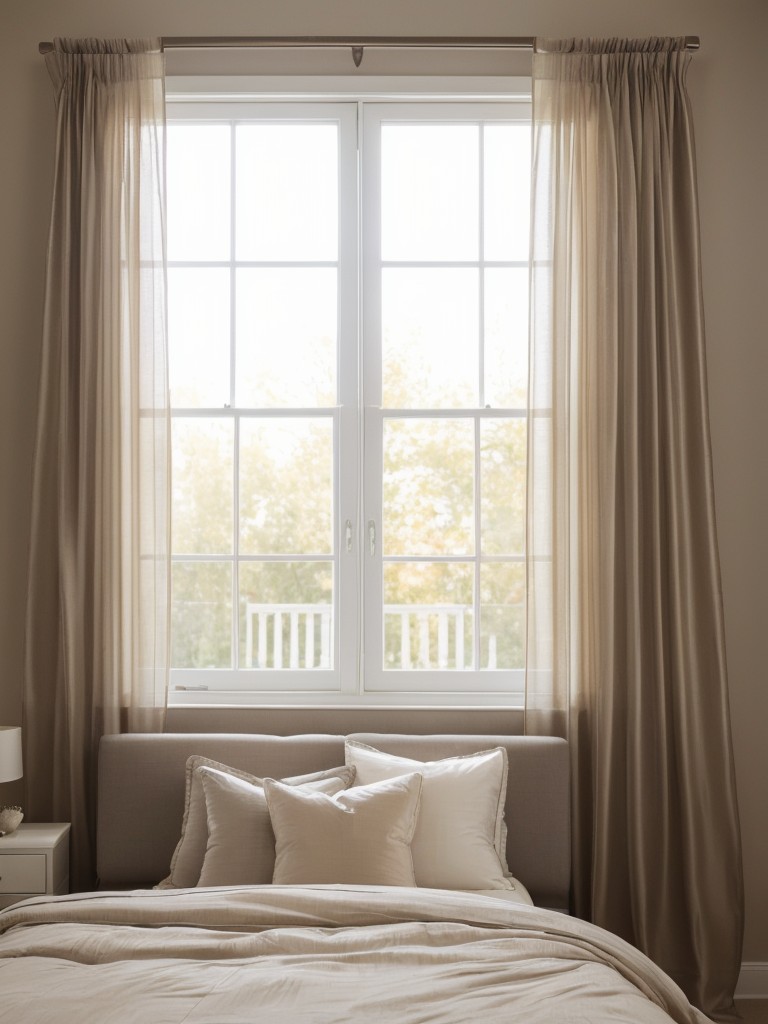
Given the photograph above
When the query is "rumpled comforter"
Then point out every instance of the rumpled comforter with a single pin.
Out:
(300, 954)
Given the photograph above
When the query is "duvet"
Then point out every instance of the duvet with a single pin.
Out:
(301, 954)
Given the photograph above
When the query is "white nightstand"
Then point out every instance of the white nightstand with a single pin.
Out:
(34, 861)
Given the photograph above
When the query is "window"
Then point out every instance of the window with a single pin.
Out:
(348, 316)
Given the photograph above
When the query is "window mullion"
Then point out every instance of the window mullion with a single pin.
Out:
(481, 393)
(371, 422)
(478, 534)
(232, 401)
(348, 454)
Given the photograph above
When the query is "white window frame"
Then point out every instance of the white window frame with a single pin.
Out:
(352, 682)
(467, 681)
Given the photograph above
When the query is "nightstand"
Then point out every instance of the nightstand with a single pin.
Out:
(34, 861)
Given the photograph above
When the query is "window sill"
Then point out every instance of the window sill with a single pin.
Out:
(345, 719)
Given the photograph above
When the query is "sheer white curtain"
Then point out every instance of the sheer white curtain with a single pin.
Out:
(626, 649)
(98, 604)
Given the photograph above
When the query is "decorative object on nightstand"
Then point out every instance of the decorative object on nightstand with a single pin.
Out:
(10, 769)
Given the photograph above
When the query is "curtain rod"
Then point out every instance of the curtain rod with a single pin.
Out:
(356, 43)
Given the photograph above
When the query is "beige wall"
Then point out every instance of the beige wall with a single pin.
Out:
(729, 88)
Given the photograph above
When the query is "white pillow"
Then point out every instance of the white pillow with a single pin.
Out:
(359, 837)
(459, 834)
(187, 860)
(241, 843)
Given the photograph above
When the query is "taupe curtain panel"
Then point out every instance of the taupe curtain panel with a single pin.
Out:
(625, 628)
(98, 605)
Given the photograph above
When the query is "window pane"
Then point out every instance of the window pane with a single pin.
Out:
(502, 486)
(202, 486)
(429, 192)
(198, 336)
(429, 338)
(428, 619)
(201, 615)
(286, 486)
(502, 615)
(198, 175)
(260, 294)
(286, 337)
(286, 615)
(428, 489)
(287, 191)
(506, 337)
(507, 173)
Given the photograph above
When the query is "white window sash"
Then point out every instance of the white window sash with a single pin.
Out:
(357, 678)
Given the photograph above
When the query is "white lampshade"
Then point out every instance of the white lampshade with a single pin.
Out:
(10, 753)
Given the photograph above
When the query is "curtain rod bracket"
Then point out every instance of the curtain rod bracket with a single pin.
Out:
(357, 55)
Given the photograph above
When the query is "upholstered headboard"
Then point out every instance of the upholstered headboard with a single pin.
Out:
(142, 777)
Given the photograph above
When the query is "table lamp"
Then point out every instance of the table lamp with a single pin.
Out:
(10, 768)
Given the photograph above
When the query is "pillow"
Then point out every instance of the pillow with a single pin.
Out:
(359, 837)
(187, 860)
(458, 839)
(241, 843)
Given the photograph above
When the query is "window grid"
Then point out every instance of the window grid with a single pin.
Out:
(376, 641)
(426, 692)
(235, 413)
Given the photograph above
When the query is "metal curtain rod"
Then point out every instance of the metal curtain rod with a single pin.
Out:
(356, 43)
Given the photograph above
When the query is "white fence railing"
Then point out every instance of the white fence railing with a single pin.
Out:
(301, 636)
(309, 635)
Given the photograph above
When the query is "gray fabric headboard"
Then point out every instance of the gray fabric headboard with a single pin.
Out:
(141, 795)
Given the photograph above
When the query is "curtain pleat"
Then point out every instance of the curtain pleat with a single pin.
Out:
(625, 636)
(98, 600)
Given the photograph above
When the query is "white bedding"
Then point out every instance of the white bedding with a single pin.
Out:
(516, 893)
(299, 954)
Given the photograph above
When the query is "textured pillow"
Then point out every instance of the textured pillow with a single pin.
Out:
(458, 839)
(359, 837)
(187, 860)
(241, 843)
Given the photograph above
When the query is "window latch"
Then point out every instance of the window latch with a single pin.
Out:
(372, 536)
(348, 535)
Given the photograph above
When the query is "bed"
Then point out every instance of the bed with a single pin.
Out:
(385, 878)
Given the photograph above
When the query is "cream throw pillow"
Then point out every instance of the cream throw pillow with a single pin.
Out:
(187, 860)
(241, 843)
(459, 835)
(359, 837)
